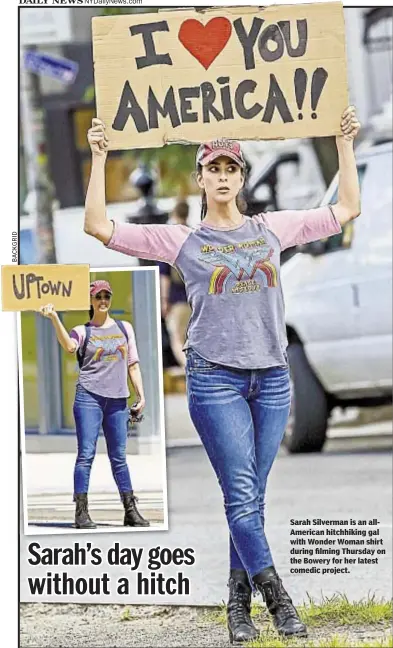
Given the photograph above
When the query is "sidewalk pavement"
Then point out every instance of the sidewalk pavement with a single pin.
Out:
(55, 512)
(52, 473)
(47, 478)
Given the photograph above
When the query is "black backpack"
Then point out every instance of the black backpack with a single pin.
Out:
(80, 354)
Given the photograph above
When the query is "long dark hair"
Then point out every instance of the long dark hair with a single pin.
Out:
(91, 312)
(241, 204)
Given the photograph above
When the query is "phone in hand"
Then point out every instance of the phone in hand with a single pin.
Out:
(133, 416)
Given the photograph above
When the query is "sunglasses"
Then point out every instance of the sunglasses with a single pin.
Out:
(100, 296)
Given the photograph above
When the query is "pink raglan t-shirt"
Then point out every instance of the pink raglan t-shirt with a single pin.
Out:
(107, 358)
(232, 279)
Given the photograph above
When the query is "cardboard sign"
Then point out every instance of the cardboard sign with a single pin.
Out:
(28, 287)
(241, 73)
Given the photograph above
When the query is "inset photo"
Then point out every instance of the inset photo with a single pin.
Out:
(92, 410)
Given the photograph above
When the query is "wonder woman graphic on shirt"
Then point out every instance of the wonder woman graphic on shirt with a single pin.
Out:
(108, 347)
(107, 357)
(240, 268)
(232, 278)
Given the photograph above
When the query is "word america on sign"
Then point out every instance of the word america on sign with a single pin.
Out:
(265, 73)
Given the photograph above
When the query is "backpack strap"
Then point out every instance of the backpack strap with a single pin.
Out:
(123, 329)
(82, 351)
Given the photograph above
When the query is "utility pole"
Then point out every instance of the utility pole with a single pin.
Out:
(34, 33)
(37, 168)
(40, 186)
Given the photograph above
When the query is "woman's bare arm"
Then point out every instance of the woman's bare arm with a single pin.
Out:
(348, 204)
(64, 339)
(96, 223)
(165, 284)
(135, 376)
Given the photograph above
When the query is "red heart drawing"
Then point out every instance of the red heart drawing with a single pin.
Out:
(205, 42)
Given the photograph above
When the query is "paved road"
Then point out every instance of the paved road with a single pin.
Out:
(48, 483)
(56, 511)
(345, 481)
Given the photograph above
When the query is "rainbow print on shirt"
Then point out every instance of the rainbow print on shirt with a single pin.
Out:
(108, 348)
(240, 268)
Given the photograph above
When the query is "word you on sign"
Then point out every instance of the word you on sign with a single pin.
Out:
(189, 76)
(28, 287)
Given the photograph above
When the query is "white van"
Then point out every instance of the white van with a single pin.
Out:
(338, 297)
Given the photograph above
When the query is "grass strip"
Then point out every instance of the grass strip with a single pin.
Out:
(269, 640)
(329, 612)
(339, 610)
(336, 609)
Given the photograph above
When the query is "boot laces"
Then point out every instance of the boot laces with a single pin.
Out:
(82, 507)
(133, 499)
(282, 601)
(285, 602)
(287, 607)
(239, 607)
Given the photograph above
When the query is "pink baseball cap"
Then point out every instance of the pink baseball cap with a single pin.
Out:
(211, 150)
(100, 284)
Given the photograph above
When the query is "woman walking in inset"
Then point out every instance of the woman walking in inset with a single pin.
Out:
(237, 370)
(107, 356)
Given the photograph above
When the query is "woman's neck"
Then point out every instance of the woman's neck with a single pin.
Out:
(223, 215)
(100, 319)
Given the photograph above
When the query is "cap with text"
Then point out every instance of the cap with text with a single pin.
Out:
(209, 151)
(100, 284)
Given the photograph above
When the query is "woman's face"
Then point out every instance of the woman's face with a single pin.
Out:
(222, 180)
(101, 301)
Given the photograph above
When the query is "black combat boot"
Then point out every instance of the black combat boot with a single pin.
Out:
(132, 516)
(240, 626)
(279, 604)
(82, 517)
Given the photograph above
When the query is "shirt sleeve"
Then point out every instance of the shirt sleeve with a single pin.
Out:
(132, 350)
(78, 334)
(153, 242)
(164, 268)
(300, 226)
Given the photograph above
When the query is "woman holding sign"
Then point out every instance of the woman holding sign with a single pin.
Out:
(237, 368)
(107, 356)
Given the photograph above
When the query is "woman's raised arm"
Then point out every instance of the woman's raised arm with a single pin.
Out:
(348, 204)
(63, 338)
(301, 226)
(153, 242)
(96, 223)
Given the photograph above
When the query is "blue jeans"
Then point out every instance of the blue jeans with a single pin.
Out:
(91, 412)
(240, 416)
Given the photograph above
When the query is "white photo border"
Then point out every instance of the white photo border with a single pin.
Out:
(30, 530)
